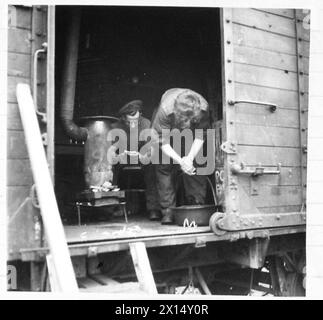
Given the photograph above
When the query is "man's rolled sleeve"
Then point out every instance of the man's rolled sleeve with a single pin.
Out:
(161, 122)
(203, 124)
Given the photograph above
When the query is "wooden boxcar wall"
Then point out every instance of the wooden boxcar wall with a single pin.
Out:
(22, 215)
(270, 63)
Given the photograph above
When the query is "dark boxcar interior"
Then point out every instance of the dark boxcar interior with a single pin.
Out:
(132, 53)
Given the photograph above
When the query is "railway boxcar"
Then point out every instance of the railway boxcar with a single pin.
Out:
(252, 66)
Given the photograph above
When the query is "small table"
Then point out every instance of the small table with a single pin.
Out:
(101, 199)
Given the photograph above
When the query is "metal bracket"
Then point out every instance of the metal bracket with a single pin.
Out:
(254, 186)
(251, 254)
(199, 243)
(240, 222)
(272, 106)
(229, 147)
(92, 251)
(44, 138)
(254, 172)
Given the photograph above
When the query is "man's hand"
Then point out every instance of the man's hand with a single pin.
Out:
(112, 157)
(122, 158)
(187, 166)
(132, 153)
(144, 158)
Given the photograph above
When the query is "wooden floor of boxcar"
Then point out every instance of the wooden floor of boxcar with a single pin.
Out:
(118, 229)
(95, 238)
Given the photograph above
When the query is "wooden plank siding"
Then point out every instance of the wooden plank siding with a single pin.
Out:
(20, 211)
(19, 40)
(290, 176)
(21, 174)
(13, 117)
(269, 156)
(264, 21)
(250, 114)
(14, 196)
(275, 196)
(287, 13)
(265, 64)
(265, 58)
(266, 77)
(283, 98)
(257, 135)
(19, 18)
(16, 146)
(3, 117)
(18, 65)
(250, 37)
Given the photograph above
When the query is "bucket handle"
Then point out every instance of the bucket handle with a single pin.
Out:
(213, 191)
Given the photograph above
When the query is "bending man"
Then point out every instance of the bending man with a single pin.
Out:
(180, 109)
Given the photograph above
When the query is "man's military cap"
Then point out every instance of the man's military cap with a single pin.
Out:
(131, 108)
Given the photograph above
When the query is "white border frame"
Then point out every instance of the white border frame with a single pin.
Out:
(315, 136)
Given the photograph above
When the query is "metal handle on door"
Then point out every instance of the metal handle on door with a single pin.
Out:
(272, 106)
(35, 91)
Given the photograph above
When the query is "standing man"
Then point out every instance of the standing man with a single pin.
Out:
(180, 109)
(131, 120)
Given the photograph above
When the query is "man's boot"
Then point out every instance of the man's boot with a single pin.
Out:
(167, 216)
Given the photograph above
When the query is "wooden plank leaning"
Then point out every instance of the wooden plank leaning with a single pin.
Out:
(65, 277)
(142, 267)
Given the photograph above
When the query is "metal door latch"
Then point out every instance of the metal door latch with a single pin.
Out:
(229, 147)
(254, 172)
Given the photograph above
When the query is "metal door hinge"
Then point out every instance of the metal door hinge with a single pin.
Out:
(229, 147)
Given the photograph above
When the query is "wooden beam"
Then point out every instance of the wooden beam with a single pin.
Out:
(142, 267)
(202, 282)
(49, 210)
(52, 275)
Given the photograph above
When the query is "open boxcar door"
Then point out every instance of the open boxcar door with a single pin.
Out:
(264, 130)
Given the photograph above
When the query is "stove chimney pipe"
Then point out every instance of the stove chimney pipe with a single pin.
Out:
(69, 78)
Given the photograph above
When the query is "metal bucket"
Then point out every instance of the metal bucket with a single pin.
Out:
(96, 166)
(200, 214)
